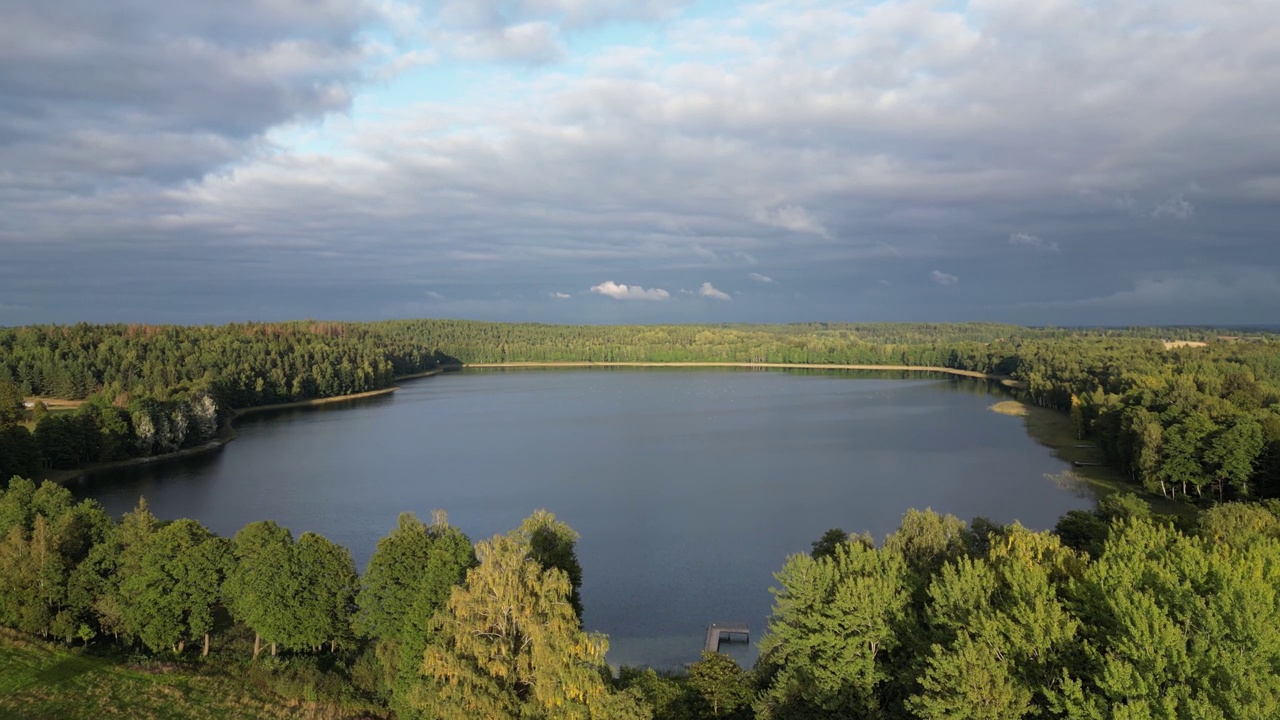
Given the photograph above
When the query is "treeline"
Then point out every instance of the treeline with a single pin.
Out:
(153, 390)
(1114, 614)
(433, 628)
(241, 364)
(1202, 421)
(1193, 423)
(98, 431)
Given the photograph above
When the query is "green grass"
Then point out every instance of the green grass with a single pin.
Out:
(1054, 430)
(47, 681)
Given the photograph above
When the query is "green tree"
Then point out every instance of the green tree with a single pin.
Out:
(169, 597)
(834, 624)
(327, 580)
(552, 545)
(261, 586)
(1183, 449)
(11, 408)
(720, 683)
(1176, 627)
(1232, 453)
(392, 578)
(826, 545)
(449, 558)
(1006, 631)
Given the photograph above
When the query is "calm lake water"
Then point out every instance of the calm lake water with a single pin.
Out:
(689, 487)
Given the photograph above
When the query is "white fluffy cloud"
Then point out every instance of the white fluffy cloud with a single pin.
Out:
(708, 291)
(561, 296)
(943, 278)
(617, 291)
(760, 278)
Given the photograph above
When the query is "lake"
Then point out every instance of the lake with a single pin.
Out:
(689, 487)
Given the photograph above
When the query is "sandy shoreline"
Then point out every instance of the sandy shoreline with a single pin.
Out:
(1002, 379)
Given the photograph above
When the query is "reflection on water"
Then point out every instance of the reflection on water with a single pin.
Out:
(689, 487)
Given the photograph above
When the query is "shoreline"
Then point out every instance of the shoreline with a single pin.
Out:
(1002, 379)
(227, 431)
(1052, 429)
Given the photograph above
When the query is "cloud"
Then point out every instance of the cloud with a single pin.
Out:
(761, 278)
(434, 295)
(1174, 208)
(1239, 286)
(1029, 240)
(99, 96)
(708, 291)
(793, 218)
(629, 292)
(943, 278)
(833, 143)
(561, 296)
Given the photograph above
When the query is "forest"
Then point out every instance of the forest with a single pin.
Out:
(1197, 423)
(1116, 613)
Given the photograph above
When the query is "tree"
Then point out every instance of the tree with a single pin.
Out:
(551, 545)
(392, 578)
(1176, 627)
(47, 536)
(169, 596)
(328, 583)
(1004, 628)
(720, 683)
(508, 645)
(261, 587)
(1182, 452)
(449, 558)
(1232, 453)
(11, 408)
(826, 545)
(834, 623)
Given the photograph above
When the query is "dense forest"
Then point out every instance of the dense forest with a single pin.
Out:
(1115, 614)
(1198, 423)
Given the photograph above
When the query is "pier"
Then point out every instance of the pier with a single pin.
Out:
(725, 632)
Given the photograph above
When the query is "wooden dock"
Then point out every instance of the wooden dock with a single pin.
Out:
(725, 632)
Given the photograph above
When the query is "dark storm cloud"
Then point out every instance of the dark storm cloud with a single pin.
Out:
(96, 93)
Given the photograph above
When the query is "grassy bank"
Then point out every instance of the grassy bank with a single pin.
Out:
(1054, 430)
(45, 681)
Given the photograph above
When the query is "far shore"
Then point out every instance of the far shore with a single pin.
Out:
(227, 432)
(1002, 379)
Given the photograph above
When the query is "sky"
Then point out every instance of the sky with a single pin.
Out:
(1063, 162)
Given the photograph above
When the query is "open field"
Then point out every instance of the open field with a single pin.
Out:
(55, 403)
(40, 681)
(1174, 344)
(1053, 429)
